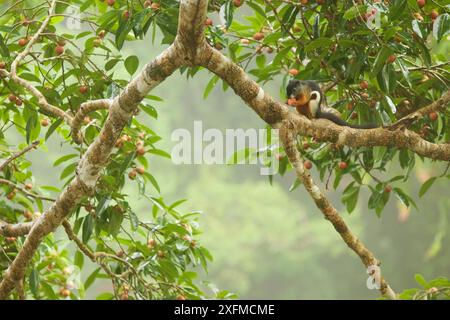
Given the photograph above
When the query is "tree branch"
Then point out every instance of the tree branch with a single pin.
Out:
(24, 191)
(43, 103)
(16, 155)
(45, 107)
(93, 161)
(288, 132)
(72, 236)
(84, 110)
(273, 113)
(438, 105)
(16, 229)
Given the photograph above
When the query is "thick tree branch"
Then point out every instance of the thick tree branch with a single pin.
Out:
(324, 130)
(273, 113)
(278, 115)
(16, 155)
(93, 161)
(288, 133)
(264, 105)
(16, 229)
(190, 35)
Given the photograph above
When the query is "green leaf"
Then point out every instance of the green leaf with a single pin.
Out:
(152, 181)
(426, 185)
(102, 205)
(355, 11)
(396, 9)
(115, 221)
(113, 90)
(111, 63)
(134, 220)
(240, 156)
(83, 34)
(90, 280)
(441, 26)
(151, 111)
(350, 197)
(256, 8)
(105, 296)
(316, 27)
(289, 18)
(391, 104)
(416, 28)
(380, 60)
(318, 43)
(159, 152)
(211, 84)
(404, 157)
(374, 199)
(131, 64)
(34, 282)
(229, 9)
(405, 72)
(177, 203)
(4, 51)
(64, 158)
(48, 291)
(168, 268)
(30, 77)
(31, 124)
(88, 227)
(68, 170)
(353, 70)
(421, 280)
(52, 128)
(122, 32)
(403, 197)
(126, 163)
(295, 185)
(79, 259)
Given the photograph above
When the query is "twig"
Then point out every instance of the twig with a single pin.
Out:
(33, 39)
(72, 236)
(84, 110)
(16, 155)
(25, 191)
(43, 103)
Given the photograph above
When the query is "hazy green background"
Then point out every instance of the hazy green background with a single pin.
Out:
(268, 242)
